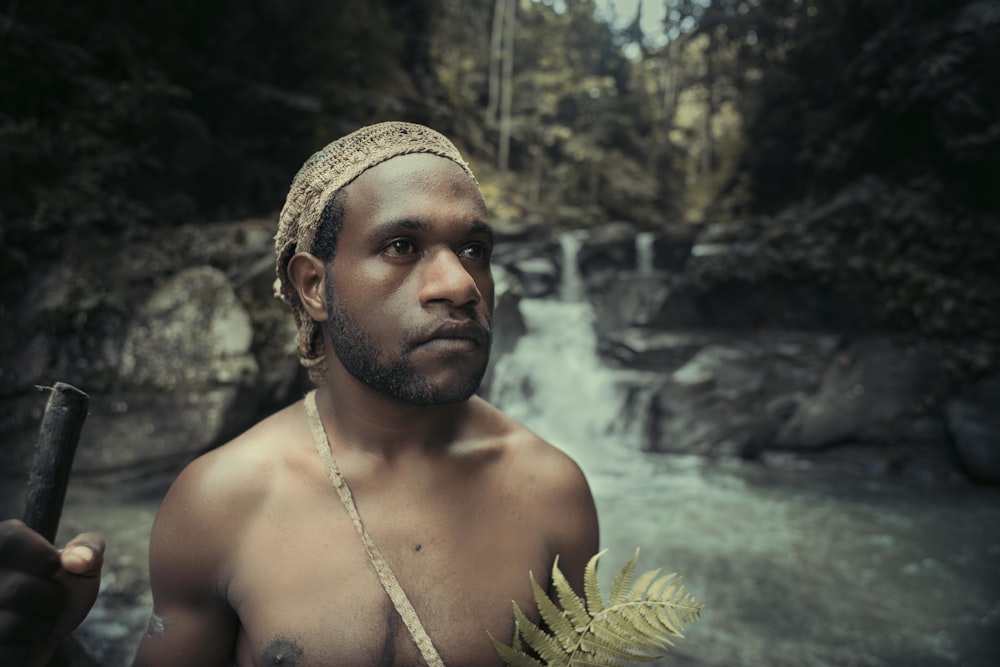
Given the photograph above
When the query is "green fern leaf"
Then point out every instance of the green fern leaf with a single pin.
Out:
(620, 585)
(548, 648)
(635, 624)
(560, 626)
(592, 589)
(512, 656)
(642, 584)
(572, 603)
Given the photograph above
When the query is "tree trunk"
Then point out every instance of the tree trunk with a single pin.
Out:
(496, 55)
(708, 156)
(507, 86)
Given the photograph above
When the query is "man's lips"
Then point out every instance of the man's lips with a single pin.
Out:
(458, 331)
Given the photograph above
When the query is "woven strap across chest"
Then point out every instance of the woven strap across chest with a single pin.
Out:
(385, 575)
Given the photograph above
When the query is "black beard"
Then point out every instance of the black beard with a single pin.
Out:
(396, 378)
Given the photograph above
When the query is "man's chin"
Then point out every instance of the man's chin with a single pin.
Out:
(445, 391)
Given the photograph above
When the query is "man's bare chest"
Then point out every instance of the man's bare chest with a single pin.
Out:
(307, 594)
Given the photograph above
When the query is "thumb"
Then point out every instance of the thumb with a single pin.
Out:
(83, 555)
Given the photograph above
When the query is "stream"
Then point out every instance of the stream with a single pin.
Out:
(797, 567)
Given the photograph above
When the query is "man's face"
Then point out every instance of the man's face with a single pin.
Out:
(410, 293)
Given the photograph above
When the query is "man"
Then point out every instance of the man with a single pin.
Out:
(388, 519)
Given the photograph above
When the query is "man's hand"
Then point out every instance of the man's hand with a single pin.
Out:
(44, 592)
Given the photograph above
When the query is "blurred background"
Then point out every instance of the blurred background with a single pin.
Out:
(747, 274)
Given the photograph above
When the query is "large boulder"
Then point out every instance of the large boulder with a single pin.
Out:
(728, 395)
(176, 337)
(873, 391)
(974, 423)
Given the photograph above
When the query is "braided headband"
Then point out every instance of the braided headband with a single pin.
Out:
(319, 179)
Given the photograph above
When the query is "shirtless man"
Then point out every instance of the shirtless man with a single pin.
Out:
(384, 257)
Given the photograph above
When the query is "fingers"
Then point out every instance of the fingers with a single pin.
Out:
(30, 593)
(25, 550)
(84, 555)
(44, 593)
(22, 628)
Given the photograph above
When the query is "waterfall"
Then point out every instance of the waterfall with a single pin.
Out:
(644, 253)
(571, 286)
(554, 382)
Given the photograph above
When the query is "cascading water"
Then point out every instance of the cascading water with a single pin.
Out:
(644, 253)
(571, 284)
(867, 573)
(554, 382)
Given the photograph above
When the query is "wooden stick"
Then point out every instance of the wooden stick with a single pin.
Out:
(54, 450)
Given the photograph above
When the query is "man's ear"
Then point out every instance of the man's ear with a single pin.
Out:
(308, 273)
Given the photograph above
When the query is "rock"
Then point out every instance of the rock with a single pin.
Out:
(604, 253)
(974, 424)
(648, 349)
(173, 366)
(191, 331)
(631, 300)
(733, 394)
(531, 264)
(508, 323)
(141, 432)
(874, 391)
(539, 276)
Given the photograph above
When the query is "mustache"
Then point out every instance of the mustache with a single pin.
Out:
(477, 330)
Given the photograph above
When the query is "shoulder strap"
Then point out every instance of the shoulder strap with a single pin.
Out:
(385, 574)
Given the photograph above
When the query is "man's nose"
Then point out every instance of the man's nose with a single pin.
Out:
(445, 278)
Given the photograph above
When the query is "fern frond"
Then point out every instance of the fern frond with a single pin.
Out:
(620, 585)
(592, 589)
(635, 624)
(548, 648)
(512, 656)
(573, 605)
(560, 626)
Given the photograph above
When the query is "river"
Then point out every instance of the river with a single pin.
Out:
(798, 567)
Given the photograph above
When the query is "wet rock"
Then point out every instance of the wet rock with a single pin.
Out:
(191, 331)
(873, 391)
(176, 337)
(645, 348)
(974, 424)
(531, 264)
(608, 250)
(508, 323)
(733, 394)
(144, 431)
(631, 300)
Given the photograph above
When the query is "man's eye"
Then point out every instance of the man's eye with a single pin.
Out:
(400, 247)
(474, 251)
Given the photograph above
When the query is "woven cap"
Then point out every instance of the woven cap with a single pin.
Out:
(319, 179)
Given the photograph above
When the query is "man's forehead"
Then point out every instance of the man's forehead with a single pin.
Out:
(414, 186)
(416, 168)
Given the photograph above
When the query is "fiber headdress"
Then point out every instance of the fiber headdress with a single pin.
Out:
(322, 175)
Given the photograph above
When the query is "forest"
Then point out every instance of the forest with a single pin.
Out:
(793, 403)
(121, 117)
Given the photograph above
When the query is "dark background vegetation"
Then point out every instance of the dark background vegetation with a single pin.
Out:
(120, 117)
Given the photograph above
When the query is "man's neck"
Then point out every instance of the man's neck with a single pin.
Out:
(359, 418)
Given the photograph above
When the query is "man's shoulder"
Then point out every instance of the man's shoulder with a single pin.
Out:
(240, 470)
(533, 458)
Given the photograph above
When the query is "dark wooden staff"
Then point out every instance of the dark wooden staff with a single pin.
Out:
(57, 438)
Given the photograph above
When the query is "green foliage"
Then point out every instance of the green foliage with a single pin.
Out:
(119, 117)
(634, 624)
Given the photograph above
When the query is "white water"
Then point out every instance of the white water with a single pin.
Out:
(554, 383)
(798, 568)
(644, 253)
